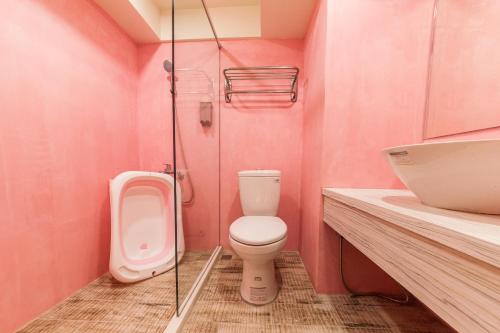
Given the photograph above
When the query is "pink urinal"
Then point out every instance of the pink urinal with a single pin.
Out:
(142, 225)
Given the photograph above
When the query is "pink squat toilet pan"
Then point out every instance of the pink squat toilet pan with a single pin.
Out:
(142, 225)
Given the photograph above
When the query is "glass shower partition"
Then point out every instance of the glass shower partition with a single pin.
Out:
(195, 143)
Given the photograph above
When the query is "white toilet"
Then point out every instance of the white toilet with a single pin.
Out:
(259, 236)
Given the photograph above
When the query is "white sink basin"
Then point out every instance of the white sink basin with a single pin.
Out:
(458, 175)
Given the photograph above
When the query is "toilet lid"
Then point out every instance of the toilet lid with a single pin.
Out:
(258, 230)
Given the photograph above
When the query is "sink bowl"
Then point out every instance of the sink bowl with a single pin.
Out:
(458, 175)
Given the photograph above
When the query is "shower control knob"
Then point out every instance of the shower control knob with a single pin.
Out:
(168, 168)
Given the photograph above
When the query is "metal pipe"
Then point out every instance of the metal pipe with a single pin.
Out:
(211, 24)
(404, 300)
(174, 153)
(251, 78)
(263, 67)
(261, 92)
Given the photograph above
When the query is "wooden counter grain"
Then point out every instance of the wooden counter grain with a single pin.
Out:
(449, 260)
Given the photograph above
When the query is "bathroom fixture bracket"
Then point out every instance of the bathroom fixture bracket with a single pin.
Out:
(205, 7)
(267, 80)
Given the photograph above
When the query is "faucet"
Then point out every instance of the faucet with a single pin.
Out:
(168, 170)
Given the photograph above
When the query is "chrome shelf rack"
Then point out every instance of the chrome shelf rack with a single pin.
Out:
(266, 80)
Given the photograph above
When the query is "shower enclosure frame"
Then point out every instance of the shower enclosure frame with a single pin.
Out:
(198, 283)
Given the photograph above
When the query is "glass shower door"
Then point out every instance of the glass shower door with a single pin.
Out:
(196, 148)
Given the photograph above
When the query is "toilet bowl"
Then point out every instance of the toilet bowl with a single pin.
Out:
(142, 225)
(259, 236)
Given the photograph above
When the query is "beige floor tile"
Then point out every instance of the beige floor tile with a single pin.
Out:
(106, 305)
(298, 308)
(51, 326)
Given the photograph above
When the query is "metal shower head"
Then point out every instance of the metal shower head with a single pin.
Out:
(167, 65)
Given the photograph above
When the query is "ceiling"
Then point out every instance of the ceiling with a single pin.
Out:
(190, 4)
(285, 18)
(149, 21)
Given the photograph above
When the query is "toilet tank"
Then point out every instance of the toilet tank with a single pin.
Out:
(260, 192)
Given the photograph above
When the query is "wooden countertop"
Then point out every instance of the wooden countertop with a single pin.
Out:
(477, 235)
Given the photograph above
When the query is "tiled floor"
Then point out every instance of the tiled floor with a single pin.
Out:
(298, 308)
(107, 306)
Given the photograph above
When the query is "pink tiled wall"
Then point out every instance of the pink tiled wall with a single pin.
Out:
(67, 125)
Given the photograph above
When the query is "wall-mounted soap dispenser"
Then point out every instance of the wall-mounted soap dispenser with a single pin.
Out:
(206, 109)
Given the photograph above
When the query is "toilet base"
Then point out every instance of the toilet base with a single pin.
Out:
(259, 285)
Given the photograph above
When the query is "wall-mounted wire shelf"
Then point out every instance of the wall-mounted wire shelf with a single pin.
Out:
(265, 80)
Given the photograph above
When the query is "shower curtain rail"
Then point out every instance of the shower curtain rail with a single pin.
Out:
(286, 75)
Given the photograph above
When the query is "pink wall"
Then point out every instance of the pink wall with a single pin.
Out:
(465, 68)
(75, 113)
(368, 93)
(374, 86)
(261, 133)
(254, 133)
(201, 145)
(314, 109)
(67, 104)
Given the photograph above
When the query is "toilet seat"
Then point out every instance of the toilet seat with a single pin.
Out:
(258, 230)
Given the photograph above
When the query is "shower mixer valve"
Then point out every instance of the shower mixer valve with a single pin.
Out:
(181, 173)
(167, 169)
